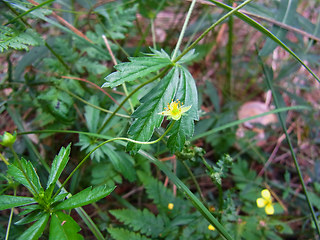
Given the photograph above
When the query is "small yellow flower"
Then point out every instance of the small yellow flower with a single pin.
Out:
(266, 202)
(211, 228)
(170, 206)
(175, 110)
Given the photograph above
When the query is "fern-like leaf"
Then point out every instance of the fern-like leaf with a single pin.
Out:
(161, 195)
(144, 221)
(120, 234)
(19, 40)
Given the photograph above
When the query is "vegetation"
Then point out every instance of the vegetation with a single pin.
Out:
(144, 119)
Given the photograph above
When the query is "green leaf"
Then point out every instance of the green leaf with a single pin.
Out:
(147, 117)
(143, 221)
(138, 67)
(29, 178)
(7, 201)
(184, 127)
(121, 162)
(116, 18)
(162, 195)
(34, 216)
(92, 115)
(120, 234)
(85, 197)
(35, 231)
(104, 173)
(12, 38)
(63, 227)
(58, 165)
(286, 14)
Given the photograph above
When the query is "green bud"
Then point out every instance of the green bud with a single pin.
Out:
(7, 139)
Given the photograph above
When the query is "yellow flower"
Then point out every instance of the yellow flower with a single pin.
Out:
(175, 110)
(211, 228)
(266, 202)
(170, 206)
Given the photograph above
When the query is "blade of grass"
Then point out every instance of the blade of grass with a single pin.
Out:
(297, 166)
(266, 32)
(237, 122)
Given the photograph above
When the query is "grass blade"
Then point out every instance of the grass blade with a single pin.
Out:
(266, 32)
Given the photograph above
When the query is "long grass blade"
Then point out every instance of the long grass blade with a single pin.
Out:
(266, 32)
(283, 125)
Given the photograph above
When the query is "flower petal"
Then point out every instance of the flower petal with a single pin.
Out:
(269, 209)
(185, 109)
(266, 194)
(261, 202)
(165, 113)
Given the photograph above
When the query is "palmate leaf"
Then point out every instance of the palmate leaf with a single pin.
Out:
(85, 197)
(184, 128)
(147, 117)
(63, 227)
(138, 67)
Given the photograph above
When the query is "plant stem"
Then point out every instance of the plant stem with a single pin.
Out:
(10, 217)
(4, 159)
(26, 12)
(186, 21)
(195, 181)
(228, 86)
(115, 63)
(90, 104)
(105, 142)
(209, 29)
(237, 122)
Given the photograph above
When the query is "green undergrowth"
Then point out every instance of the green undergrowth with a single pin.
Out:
(159, 119)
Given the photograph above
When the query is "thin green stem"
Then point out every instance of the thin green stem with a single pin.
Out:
(163, 72)
(105, 142)
(10, 217)
(237, 122)
(4, 159)
(90, 104)
(195, 181)
(228, 86)
(30, 10)
(297, 166)
(153, 33)
(184, 27)
(209, 29)
(60, 59)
